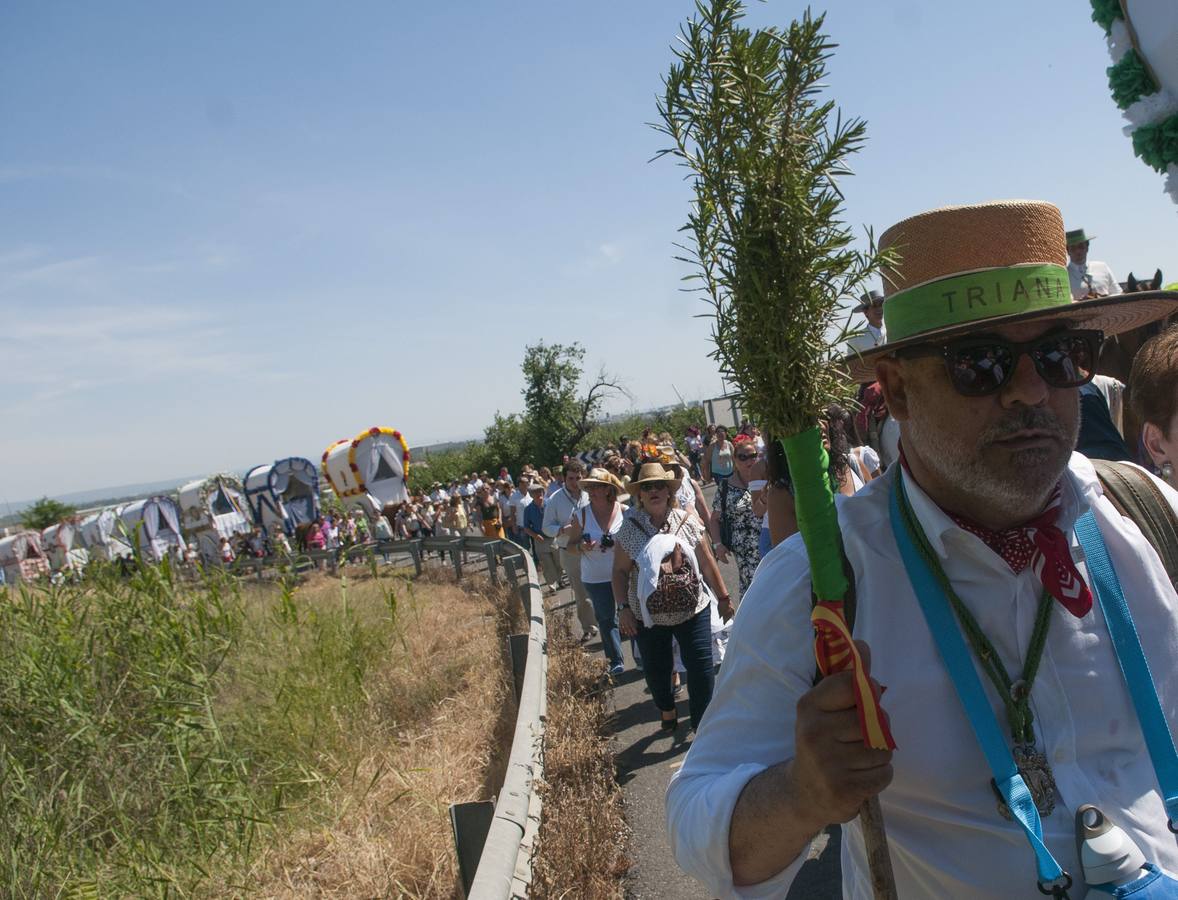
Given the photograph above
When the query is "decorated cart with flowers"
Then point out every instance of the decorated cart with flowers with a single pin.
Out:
(211, 509)
(152, 525)
(1143, 43)
(64, 546)
(22, 557)
(369, 471)
(283, 495)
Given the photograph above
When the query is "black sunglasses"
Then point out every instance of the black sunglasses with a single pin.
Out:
(982, 365)
(745, 457)
(607, 541)
(648, 487)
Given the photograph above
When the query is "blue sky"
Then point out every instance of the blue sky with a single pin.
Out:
(235, 232)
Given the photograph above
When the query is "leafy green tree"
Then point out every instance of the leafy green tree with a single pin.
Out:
(556, 412)
(509, 441)
(46, 512)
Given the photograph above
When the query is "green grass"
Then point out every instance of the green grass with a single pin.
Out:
(153, 732)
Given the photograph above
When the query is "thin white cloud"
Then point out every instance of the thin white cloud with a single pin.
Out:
(78, 272)
(54, 356)
(601, 256)
(37, 171)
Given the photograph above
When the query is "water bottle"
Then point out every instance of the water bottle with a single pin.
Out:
(1107, 855)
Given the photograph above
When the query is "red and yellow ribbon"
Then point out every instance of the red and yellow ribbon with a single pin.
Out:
(835, 650)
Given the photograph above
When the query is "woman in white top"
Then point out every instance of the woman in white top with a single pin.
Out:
(864, 465)
(592, 535)
(718, 461)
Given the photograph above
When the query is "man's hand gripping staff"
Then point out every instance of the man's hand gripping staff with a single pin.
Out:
(843, 742)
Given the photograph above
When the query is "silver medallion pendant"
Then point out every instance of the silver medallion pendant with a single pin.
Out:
(1032, 765)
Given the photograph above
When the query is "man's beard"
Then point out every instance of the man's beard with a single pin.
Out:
(1016, 489)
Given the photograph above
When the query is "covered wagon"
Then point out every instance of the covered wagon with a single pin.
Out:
(369, 471)
(22, 557)
(102, 536)
(283, 495)
(152, 525)
(211, 509)
(64, 546)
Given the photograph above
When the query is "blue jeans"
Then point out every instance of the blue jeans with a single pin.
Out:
(601, 593)
(764, 543)
(695, 649)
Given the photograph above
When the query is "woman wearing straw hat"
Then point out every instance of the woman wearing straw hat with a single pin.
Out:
(657, 522)
(592, 536)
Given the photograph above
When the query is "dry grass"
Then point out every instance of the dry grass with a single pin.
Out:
(583, 834)
(431, 736)
(212, 739)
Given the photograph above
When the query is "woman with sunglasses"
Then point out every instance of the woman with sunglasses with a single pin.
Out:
(593, 534)
(657, 514)
(738, 511)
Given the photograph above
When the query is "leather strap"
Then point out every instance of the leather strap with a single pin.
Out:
(1136, 497)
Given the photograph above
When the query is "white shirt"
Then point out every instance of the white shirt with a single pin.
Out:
(870, 461)
(871, 337)
(946, 837)
(1096, 276)
(520, 500)
(558, 509)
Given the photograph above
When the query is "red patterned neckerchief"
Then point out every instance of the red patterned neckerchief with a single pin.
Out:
(1040, 544)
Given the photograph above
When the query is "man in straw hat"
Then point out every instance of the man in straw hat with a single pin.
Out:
(1088, 277)
(980, 548)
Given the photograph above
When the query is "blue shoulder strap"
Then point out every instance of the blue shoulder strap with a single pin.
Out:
(958, 661)
(1134, 666)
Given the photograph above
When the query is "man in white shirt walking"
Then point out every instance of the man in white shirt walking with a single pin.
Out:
(874, 333)
(519, 500)
(1089, 278)
(558, 513)
(989, 495)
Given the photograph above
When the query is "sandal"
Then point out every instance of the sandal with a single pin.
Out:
(672, 723)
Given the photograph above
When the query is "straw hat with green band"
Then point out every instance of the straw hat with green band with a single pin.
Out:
(968, 269)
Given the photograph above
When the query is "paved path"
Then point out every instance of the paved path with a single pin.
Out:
(646, 759)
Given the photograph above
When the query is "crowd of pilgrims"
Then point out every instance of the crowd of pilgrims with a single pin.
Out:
(570, 518)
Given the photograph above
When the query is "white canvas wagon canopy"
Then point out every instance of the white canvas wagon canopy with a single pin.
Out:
(64, 546)
(211, 509)
(153, 525)
(22, 557)
(369, 471)
(103, 537)
(283, 495)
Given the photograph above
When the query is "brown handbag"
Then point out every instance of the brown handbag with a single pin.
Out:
(678, 587)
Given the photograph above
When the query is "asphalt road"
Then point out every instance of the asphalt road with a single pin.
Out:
(646, 758)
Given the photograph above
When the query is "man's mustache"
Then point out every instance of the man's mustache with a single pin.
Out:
(1025, 420)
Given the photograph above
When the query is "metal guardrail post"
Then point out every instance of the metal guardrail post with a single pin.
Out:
(505, 868)
(444, 545)
(491, 549)
(470, 822)
(517, 644)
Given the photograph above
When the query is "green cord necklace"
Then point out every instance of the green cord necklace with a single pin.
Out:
(1015, 694)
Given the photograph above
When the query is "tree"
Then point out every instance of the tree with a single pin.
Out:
(508, 441)
(46, 512)
(557, 414)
